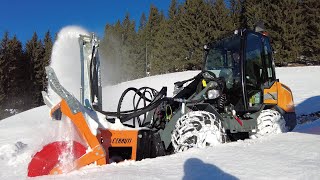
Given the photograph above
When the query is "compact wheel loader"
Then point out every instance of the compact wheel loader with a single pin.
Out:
(235, 96)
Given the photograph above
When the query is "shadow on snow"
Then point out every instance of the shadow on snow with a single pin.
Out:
(309, 105)
(308, 122)
(196, 169)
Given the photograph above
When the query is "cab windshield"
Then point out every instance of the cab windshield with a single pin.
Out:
(223, 59)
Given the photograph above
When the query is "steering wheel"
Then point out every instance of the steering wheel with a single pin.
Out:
(250, 82)
(208, 75)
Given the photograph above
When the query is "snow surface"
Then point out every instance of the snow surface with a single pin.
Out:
(293, 155)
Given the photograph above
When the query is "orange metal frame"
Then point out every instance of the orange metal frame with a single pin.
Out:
(96, 154)
(99, 144)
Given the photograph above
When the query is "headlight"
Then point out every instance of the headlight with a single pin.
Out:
(213, 94)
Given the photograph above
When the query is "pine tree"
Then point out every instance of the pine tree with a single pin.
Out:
(4, 64)
(4, 74)
(235, 11)
(142, 22)
(46, 57)
(220, 20)
(26, 82)
(167, 49)
(311, 38)
(173, 10)
(162, 57)
(129, 51)
(172, 44)
(283, 21)
(285, 27)
(11, 76)
(34, 52)
(15, 70)
(196, 26)
(142, 46)
(253, 12)
(152, 28)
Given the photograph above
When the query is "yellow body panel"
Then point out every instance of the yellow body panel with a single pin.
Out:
(270, 96)
(281, 95)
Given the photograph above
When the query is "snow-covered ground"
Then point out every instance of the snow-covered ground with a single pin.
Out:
(293, 155)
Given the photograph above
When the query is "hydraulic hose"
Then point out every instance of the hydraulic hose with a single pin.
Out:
(158, 98)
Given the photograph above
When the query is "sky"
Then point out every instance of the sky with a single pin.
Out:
(24, 17)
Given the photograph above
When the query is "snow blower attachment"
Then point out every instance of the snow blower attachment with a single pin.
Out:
(100, 144)
(235, 96)
(48, 160)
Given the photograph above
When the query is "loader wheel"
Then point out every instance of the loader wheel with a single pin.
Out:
(269, 122)
(197, 129)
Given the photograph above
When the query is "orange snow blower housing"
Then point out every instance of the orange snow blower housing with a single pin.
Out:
(97, 153)
(105, 147)
(100, 146)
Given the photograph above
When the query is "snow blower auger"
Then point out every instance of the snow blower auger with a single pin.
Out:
(235, 96)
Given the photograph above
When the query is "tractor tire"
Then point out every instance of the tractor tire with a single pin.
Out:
(197, 129)
(269, 122)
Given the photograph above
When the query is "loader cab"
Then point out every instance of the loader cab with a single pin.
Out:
(244, 60)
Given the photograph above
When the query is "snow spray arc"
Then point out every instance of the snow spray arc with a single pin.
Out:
(65, 60)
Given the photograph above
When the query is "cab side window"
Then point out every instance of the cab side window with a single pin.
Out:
(253, 61)
(268, 59)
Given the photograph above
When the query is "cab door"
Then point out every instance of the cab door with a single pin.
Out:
(270, 94)
(255, 73)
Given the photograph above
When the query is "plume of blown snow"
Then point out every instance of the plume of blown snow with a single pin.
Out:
(65, 59)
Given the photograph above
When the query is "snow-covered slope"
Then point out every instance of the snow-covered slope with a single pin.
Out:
(303, 81)
(294, 155)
